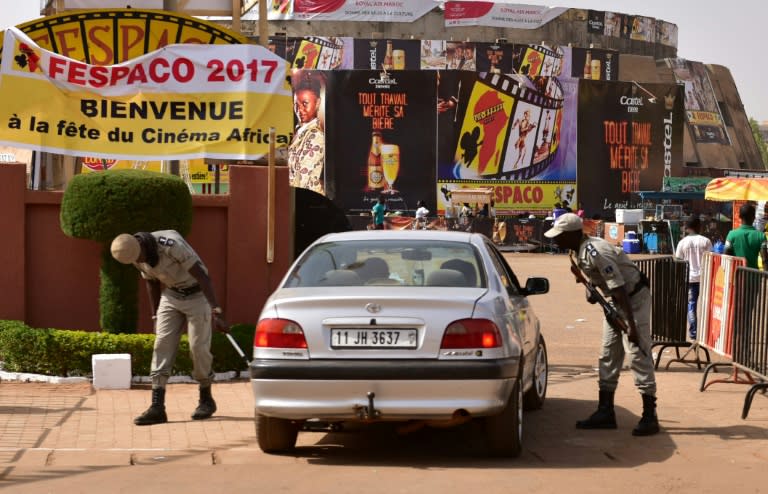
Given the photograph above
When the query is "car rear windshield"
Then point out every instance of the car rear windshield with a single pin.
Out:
(389, 262)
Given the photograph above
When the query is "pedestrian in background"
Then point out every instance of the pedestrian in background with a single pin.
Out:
(745, 241)
(378, 211)
(691, 249)
(421, 215)
(180, 291)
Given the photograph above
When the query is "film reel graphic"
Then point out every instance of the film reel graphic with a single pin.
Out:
(150, 30)
(313, 52)
(511, 130)
(537, 60)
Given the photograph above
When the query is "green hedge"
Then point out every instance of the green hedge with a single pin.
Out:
(65, 353)
(100, 206)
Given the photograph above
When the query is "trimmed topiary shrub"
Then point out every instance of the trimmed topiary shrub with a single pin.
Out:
(100, 206)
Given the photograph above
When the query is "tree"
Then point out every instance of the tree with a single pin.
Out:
(759, 140)
(100, 206)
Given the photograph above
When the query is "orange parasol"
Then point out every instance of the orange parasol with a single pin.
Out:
(737, 189)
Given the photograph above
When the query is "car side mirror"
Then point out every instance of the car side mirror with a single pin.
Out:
(536, 286)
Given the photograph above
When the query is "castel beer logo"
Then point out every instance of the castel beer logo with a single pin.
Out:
(632, 103)
(669, 105)
(384, 81)
(372, 57)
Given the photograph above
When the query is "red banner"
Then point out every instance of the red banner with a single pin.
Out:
(716, 302)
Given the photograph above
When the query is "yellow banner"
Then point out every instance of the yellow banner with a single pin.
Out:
(515, 197)
(181, 102)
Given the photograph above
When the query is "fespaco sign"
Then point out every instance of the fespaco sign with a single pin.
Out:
(140, 85)
(108, 37)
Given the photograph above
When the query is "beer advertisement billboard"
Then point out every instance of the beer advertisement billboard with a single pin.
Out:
(631, 27)
(702, 110)
(629, 138)
(381, 138)
(594, 63)
(389, 54)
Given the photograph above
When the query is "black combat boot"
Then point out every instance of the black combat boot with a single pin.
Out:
(649, 424)
(604, 417)
(155, 414)
(206, 406)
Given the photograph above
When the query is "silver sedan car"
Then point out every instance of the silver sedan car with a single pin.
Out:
(422, 327)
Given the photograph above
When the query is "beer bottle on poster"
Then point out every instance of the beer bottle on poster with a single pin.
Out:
(389, 62)
(376, 179)
(588, 65)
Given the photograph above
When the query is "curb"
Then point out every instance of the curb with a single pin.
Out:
(26, 377)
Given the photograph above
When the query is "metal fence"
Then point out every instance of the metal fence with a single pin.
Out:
(750, 329)
(669, 305)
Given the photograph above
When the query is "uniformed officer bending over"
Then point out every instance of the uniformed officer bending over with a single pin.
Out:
(610, 269)
(179, 290)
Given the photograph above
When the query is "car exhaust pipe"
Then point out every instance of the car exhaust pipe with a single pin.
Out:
(459, 417)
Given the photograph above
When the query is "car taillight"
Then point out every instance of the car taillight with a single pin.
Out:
(471, 333)
(279, 333)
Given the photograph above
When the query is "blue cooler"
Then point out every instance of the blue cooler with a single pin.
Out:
(631, 244)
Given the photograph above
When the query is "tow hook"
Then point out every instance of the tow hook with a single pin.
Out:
(369, 412)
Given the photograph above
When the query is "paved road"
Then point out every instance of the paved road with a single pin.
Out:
(70, 438)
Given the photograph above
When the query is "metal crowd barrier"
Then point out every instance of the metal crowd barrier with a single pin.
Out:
(669, 305)
(750, 330)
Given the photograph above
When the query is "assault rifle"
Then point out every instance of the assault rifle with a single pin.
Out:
(611, 314)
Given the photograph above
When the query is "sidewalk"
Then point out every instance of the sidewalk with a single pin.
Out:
(66, 424)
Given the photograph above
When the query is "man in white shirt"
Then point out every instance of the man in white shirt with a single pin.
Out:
(692, 249)
(421, 215)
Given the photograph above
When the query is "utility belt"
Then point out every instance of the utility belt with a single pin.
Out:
(185, 292)
(644, 282)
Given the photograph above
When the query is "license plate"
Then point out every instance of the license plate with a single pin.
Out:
(373, 338)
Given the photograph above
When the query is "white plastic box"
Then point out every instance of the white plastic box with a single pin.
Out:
(631, 216)
(111, 370)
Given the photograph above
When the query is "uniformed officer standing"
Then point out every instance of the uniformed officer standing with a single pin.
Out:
(179, 290)
(610, 269)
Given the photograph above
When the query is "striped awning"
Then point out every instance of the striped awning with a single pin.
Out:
(737, 189)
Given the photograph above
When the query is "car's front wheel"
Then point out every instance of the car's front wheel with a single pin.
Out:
(275, 435)
(534, 397)
(504, 432)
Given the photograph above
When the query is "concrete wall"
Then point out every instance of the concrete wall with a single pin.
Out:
(51, 280)
(570, 27)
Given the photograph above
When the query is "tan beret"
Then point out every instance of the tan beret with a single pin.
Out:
(125, 248)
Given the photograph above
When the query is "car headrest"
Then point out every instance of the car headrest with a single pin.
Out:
(446, 277)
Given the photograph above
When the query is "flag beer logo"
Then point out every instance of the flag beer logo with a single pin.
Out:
(483, 131)
(26, 57)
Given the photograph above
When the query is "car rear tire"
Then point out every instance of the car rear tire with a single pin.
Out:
(504, 432)
(534, 397)
(275, 435)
